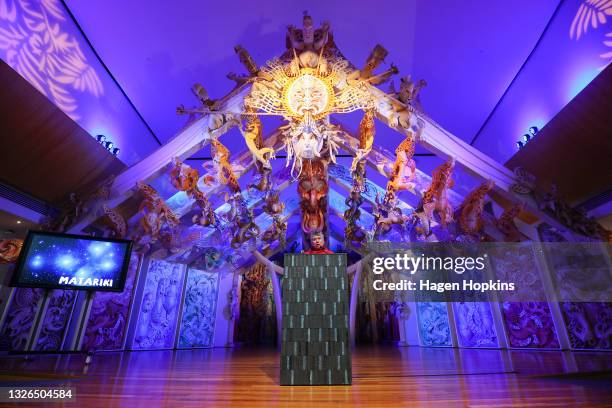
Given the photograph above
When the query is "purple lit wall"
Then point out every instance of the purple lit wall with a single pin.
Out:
(561, 66)
(40, 41)
(467, 51)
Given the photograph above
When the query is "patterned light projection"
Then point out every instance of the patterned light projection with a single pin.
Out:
(158, 319)
(199, 309)
(39, 40)
(108, 319)
(37, 44)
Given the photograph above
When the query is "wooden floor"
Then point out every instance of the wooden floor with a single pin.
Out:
(382, 377)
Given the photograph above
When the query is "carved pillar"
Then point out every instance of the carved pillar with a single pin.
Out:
(312, 188)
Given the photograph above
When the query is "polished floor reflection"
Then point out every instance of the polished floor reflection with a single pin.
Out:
(382, 376)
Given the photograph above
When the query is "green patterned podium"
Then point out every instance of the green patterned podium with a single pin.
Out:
(315, 334)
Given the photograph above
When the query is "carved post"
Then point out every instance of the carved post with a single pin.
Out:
(312, 188)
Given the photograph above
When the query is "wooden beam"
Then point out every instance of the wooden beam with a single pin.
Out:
(188, 141)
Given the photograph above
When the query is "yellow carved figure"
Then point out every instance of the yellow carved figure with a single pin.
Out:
(252, 133)
(470, 212)
(367, 131)
(435, 198)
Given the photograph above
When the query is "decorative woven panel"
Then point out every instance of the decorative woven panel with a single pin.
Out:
(315, 334)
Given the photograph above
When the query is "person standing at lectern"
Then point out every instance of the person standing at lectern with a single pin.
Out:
(317, 244)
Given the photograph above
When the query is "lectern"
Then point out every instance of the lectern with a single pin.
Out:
(315, 331)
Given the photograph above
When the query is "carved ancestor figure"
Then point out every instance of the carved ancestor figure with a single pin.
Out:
(387, 214)
(367, 131)
(276, 231)
(505, 222)
(404, 169)
(308, 38)
(185, 178)
(115, 221)
(354, 235)
(252, 133)
(376, 57)
(240, 220)
(272, 203)
(312, 189)
(155, 214)
(435, 199)
(405, 101)
(470, 211)
(222, 171)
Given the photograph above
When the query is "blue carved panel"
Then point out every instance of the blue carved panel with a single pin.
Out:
(55, 321)
(199, 309)
(434, 328)
(475, 324)
(19, 319)
(158, 318)
(108, 318)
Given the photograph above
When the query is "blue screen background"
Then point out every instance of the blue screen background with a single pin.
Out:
(50, 258)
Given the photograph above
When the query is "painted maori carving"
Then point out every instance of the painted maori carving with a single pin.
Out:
(9, 250)
(404, 168)
(199, 309)
(117, 226)
(20, 318)
(435, 199)
(475, 325)
(185, 178)
(434, 326)
(367, 131)
(354, 234)
(71, 211)
(312, 189)
(404, 102)
(505, 223)
(108, 319)
(154, 215)
(529, 325)
(252, 133)
(589, 324)
(470, 211)
(222, 171)
(253, 305)
(387, 213)
(156, 325)
(56, 319)
(550, 202)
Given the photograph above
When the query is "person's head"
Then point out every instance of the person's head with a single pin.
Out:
(317, 240)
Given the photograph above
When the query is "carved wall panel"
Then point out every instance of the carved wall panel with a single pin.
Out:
(199, 309)
(434, 328)
(529, 325)
(158, 318)
(475, 324)
(109, 314)
(56, 319)
(589, 324)
(19, 319)
(257, 320)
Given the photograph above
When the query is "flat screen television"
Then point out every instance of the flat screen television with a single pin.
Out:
(65, 261)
